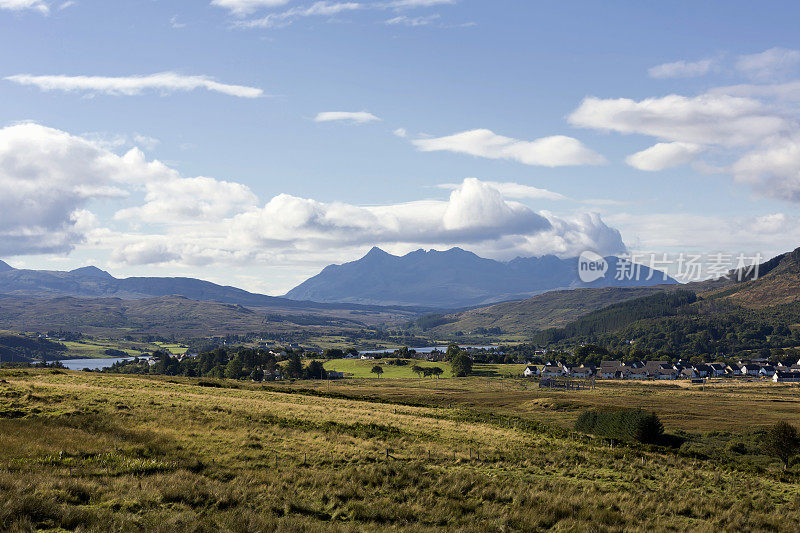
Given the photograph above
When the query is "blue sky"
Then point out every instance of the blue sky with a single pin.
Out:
(236, 175)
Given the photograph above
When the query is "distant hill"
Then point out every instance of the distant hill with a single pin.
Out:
(550, 310)
(19, 348)
(778, 283)
(451, 279)
(92, 282)
(167, 315)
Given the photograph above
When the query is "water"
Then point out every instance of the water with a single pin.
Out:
(94, 364)
(429, 349)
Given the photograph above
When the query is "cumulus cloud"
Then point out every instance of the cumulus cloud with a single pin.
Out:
(664, 155)
(516, 191)
(770, 64)
(164, 82)
(554, 151)
(708, 118)
(682, 69)
(782, 91)
(18, 5)
(773, 168)
(194, 199)
(358, 117)
(47, 176)
(49, 179)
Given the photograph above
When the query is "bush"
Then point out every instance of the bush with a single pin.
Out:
(630, 425)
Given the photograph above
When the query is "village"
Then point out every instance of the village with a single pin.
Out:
(662, 370)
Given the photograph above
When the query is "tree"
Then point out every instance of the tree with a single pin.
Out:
(437, 371)
(315, 370)
(233, 370)
(452, 351)
(257, 375)
(462, 364)
(294, 369)
(377, 369)
(417, 370)
(781, 441)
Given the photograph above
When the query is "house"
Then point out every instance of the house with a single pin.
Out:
(703, 370)
(365, 356)
(581, 371)
(767, 370)
(638, 373)
(552, 372)
(332, 374)
(637, 364)
(750, 369)
(786, 377)
(667, 373)
(718, 369)
(530, 371)
(622, 373)
(653, 367)
(735, 369)
(688, 373)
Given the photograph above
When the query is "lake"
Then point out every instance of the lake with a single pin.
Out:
(94, 364)
(429, 349)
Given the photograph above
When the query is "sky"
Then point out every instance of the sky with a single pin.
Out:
(253, 142)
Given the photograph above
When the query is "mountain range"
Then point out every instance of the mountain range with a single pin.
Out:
(92, 282)
(453, 278)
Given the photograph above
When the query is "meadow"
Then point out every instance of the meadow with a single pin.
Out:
(100, 452)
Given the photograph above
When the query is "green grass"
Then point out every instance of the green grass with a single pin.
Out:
(100, 452)
(87, 350)
(362, 368)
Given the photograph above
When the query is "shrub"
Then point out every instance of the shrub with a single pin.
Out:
(781, 441)
(630, 424)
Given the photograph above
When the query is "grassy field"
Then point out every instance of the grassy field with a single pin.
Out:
(362, 368)
(103, 452)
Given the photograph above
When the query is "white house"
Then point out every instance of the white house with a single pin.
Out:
(552, 372)
(667, 373)
(530, 371)
(750, 369)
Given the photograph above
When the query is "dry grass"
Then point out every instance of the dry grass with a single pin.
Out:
(102, 452)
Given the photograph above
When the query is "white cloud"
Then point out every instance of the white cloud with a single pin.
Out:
(358, 117)
(47, 176)
(406, 4)
(18, 5)
(773, 168)
(770, 64)
(283, 18)
(516, 191)
(400, 132)
(195, 199)
(552, 151)
(682, 69)
(664, 155)
(692, 233)
(403, 20)
(245, 7)
(164, 82)
(716, 119)
(782, 91)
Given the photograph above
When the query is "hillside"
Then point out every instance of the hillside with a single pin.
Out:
(453, 278)
(92, 282)
(549, 310)
(19, 348)
(778, 283)
(85, 451)
(168, 315)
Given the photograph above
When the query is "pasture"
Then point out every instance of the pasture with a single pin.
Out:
(106, 452)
